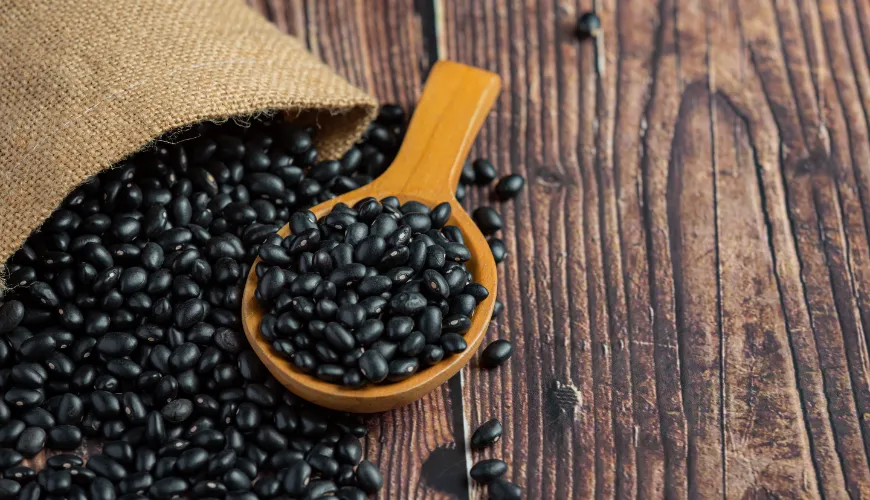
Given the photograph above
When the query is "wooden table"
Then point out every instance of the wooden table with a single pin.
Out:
(687, 287)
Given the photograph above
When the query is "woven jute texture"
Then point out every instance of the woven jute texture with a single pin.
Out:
(85, 83)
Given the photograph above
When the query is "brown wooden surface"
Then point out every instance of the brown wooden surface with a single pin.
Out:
(687, 286)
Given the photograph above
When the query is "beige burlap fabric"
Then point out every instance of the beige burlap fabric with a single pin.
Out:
(85, 83)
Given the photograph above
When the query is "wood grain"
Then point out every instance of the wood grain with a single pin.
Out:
(378, 45)
(688, 285)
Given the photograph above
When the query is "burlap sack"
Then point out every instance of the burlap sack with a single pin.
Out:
(85, 83)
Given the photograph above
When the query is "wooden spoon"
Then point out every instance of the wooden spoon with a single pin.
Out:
(454, 104)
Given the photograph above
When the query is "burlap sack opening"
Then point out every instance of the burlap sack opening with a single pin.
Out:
(86, 83)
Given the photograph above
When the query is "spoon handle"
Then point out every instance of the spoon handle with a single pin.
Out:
(455, 101)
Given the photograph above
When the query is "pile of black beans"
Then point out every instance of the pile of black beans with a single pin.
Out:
(369, 293)
(122, 325)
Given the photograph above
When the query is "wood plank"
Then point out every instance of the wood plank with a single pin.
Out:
(544, 396)
(634, 71)
(766, 446)
(839, 352)
(660, 117)
(695, 258)
(378, 46)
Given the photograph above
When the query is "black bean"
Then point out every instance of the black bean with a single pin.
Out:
(221, 462)
(189, 313)
(155, 428)
(487, 219)
(463, 304)
(435, 284)
(20, 474)
(101, 487)
(413, 344)
(69, 410)
(417, 254)
(501, 489)
(386, 348)
(271, 284)
(408, 303)
(329, 372)
(192, 461)
(253, 459)
(440, 215)
(402, 368)
(228, 340)
(65, 437)
(37, 347)
(11, 315)
(267, 487)
(305, 284)
(486, 471)
(184, 356)
(456, 323)
(208, 488)
(339, 337)
(260, 395)
(185, 288)
(432, 354)
(144, 460)
(57, 482)
(209, 439)
(165, 466)
(369, 477)
(159, 282)
(486, 434)
(173, 448)
(236, 480)
(10, 489)
(20, 398)
(496, 353)
(399, 327)
(352, 377)
(5, 413)
(119, 451)
(453, 343)
(177, 411)
(38, 417)
(28, 376)
(348, 450)
(484, 172)
(498, 249)
(296, 478)
(248, 417)
(168, 487)
(10, 432)
(31, 441)
(476, 290)
(104, 404)
(418, 222)
(9, 458)
(326, 466)
(137, 482)
(116, 344)
(261, 183)
(509, 186)
(373, 366)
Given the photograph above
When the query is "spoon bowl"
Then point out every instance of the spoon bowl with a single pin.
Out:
(454, 104)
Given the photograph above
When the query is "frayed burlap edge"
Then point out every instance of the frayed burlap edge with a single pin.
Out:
(86, 83)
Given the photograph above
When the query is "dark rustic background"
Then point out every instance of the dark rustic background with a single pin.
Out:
(687, 287)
